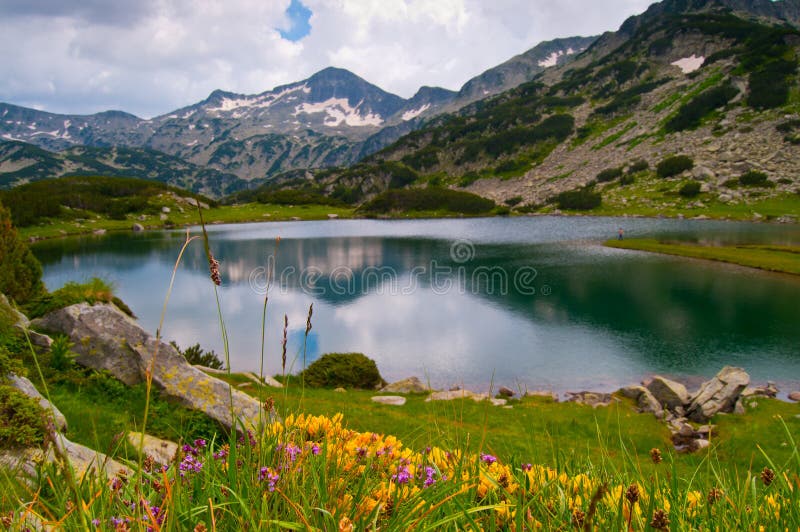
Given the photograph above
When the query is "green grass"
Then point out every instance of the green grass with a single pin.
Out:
(784, 259)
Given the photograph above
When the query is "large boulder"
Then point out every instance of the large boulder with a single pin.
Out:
(719, 394)
(645, 400)
(409, 385)
(162, 451)
(25, 386)
(107, 339)
(668, 393)
(457, 394)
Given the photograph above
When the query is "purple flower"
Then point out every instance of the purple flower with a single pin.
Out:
(527, 467)
(190, 464)
(292, 451)
(430, 473)
(221, 454)
(271, 478)
(402, 476)
(315, 449)
(95, 522)
(488, 458)
(200, 443)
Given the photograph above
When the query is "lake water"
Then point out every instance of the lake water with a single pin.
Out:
(523, 302)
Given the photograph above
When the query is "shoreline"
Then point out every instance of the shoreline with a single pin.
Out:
(27, 233)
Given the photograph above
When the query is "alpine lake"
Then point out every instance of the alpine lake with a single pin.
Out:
(534, 303)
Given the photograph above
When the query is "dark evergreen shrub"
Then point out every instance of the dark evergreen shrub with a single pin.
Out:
(690, 189)
(609, 174)
(21, 273)
(672, 166)
(583, 199)
(346, 370)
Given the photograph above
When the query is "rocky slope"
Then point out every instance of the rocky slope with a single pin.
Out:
(700, 79)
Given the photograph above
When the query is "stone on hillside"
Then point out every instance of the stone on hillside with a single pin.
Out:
(719, 394)
(593, 399)
(393, 400)
(107, 339)
(25, 386)
(456, 394)
(542, 393)
(166, 210)
(23, 324)
(505, 392)
(794, 396)
(668, 393)
(498, 402)
(83, 459)
(409, 385)
(137, 227)
(162, 451)
(769, 390)
(645, 400)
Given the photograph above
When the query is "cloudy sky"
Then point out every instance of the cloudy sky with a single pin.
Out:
(149, 57)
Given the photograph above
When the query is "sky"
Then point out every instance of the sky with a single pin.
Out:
(149, 57)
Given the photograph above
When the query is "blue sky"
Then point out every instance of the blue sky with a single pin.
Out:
(299, 16)
(150, 57)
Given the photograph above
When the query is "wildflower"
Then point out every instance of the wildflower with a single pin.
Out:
(632, 494)
(292, 451)
(222, 453)
(767, 476)
(714, 495)
(660, 520)
(95, 522)
(200, 527)
(148, 463)
(190, 464)
(527, 467)
(272, 478)
(430, 473)
(213, 267)
(655, 455)
(402, 476)
(345, 525)
(314, 449)
(488, 459)
(199, 443)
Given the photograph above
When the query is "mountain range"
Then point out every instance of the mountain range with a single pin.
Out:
(333, 118)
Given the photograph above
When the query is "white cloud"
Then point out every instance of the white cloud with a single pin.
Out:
(153, 57)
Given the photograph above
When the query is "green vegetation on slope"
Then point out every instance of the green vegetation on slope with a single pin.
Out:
(773, 258)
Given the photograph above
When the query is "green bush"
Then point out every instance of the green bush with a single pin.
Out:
(22, 420)
(690, 189)
(92, 291)
(672, 166)
(346, 370)
(428, 199)
(637, 166)
(61, 356)
(627, 179)
(692, 113)
(511, 202)
(580, 200)
(609, 174)
(753, 178)
(21, 273)
(770, 85)
(196, 356)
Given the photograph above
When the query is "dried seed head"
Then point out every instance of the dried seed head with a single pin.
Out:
(308, 320)
(269, 404)
(283, 344)
(632, 494)
(655, 455)
(213, 266)
(200, 527)
(767, 476)
(578, 517)
(660, 520)
(714, 495)
(148, 463)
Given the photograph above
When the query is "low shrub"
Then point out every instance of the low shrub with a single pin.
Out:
(196, 356)
(580, 200)
(672, 166)
(627, 179)
(93, 291)
(346, 370)
(640, 165)
(22, 420)
(753, 178)
(692, 113)
(609, 174)
(690, 189)
(511, 202)
(61, 355)
(428, 199)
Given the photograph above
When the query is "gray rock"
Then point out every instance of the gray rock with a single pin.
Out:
(794, 396)
(719, 394)
(82, 459)
(163, 451)
(769, 390)
(99, 232)
(25, 386)
(166, 210)
(498, 402)
(107, 339)
(456, 394)
(393, 400)
(409, 385)
(542, 393)
(505, 392)
(593, 399)
(340, 390)
(137, 227)
(667, 392)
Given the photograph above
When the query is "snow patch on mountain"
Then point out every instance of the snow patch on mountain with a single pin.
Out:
(409, 115)
(338, 111)
(262, 101)
(552, 59)
(689, 64)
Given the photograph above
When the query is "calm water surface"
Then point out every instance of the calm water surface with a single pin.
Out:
(530, 302)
